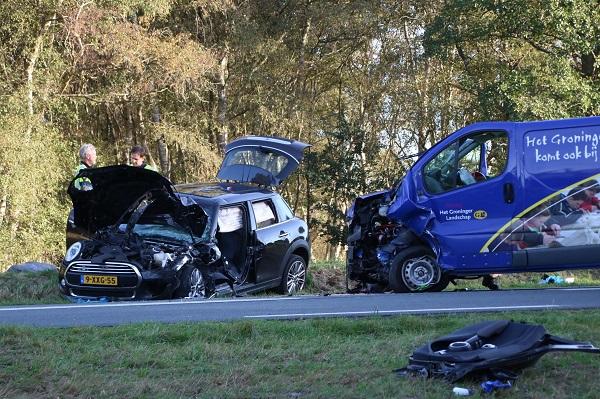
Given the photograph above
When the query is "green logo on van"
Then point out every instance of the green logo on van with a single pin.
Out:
(480, 214)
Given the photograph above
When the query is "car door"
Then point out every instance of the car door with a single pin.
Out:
(271, 241)
(469, 187)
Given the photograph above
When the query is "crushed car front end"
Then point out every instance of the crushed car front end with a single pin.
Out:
(141, 241)
(143, 268)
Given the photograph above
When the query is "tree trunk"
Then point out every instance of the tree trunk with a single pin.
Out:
(37, 49)
(2, 209)
(163, 157)
(163, 148)
(181, 162)
(223, 132)
(587, 64)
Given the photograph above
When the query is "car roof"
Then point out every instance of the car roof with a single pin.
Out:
(224, 193)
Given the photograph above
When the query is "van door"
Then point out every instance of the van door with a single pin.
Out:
(559, 217)
(470, 188)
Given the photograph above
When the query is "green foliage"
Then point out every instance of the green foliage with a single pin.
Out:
(33, 177)
(367, 83)
(523, 59)
(339, 170)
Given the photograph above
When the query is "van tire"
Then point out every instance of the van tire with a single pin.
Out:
(415, 270)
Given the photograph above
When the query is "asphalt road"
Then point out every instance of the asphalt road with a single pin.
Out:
(108, 314)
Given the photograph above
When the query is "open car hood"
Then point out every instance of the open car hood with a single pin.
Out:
(261, 160)
(116, 193)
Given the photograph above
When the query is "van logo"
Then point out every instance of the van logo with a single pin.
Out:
(480, 214)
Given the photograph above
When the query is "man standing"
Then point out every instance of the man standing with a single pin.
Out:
(138, 158)
(87, 159)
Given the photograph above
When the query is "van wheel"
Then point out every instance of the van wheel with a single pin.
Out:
(294, 276)
(191, 283)
(416, 270)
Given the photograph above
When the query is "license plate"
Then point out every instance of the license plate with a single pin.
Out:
(98, 280)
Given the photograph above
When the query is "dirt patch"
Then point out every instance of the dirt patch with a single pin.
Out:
(327, 280)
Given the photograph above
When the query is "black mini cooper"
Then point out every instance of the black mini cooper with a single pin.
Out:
(133, 235)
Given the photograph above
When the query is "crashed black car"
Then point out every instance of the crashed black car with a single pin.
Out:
(133, 235)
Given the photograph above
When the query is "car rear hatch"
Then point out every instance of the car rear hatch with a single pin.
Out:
(266, 161)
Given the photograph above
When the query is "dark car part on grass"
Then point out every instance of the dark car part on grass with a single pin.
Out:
(133, 235)
(497, 348)
(490, 198)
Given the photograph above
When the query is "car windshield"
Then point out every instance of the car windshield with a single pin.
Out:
(164, 226)
(170, 233)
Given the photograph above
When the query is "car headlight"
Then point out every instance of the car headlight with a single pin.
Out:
(73, 251)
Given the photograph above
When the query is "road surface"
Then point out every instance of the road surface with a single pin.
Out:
(117, 313)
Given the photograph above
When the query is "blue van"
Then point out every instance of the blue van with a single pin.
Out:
(493, 197)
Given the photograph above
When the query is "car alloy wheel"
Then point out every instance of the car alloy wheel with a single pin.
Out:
(197, 286)
(296, 275)
(191, 283)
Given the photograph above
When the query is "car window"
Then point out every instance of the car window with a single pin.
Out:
(264, 213)
(262, 158)
(469, 160)
(283, 209)
(230, 219)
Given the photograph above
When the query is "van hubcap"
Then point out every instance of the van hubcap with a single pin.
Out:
(420, 273)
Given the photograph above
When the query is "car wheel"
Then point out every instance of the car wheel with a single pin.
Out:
(416, 270)
(191, 283)
(294, 276)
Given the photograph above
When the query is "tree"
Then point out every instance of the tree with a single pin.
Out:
(522, 59)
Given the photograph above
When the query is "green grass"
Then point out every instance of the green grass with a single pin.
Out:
(319, 358)
(323, 278)
(29, 288)
(329, 277)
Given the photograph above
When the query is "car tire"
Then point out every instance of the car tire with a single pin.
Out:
(416, 270)
(294, 276)
(191, 283)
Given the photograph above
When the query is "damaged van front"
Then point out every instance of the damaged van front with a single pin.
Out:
(493, 197)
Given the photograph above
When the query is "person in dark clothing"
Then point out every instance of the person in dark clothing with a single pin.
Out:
(138, 158)
(568, 210)
(534, 231)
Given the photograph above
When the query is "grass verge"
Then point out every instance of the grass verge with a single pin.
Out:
(330, 277)
(29, 288)
(318, 358)
(323, 278)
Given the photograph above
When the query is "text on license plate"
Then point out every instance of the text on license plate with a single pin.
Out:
(98, 280)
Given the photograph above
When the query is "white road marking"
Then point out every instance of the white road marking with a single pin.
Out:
(376, 312)
(209, 301)
(148, 303)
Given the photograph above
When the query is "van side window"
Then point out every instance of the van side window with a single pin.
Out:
(469, 160)
(264, 212)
